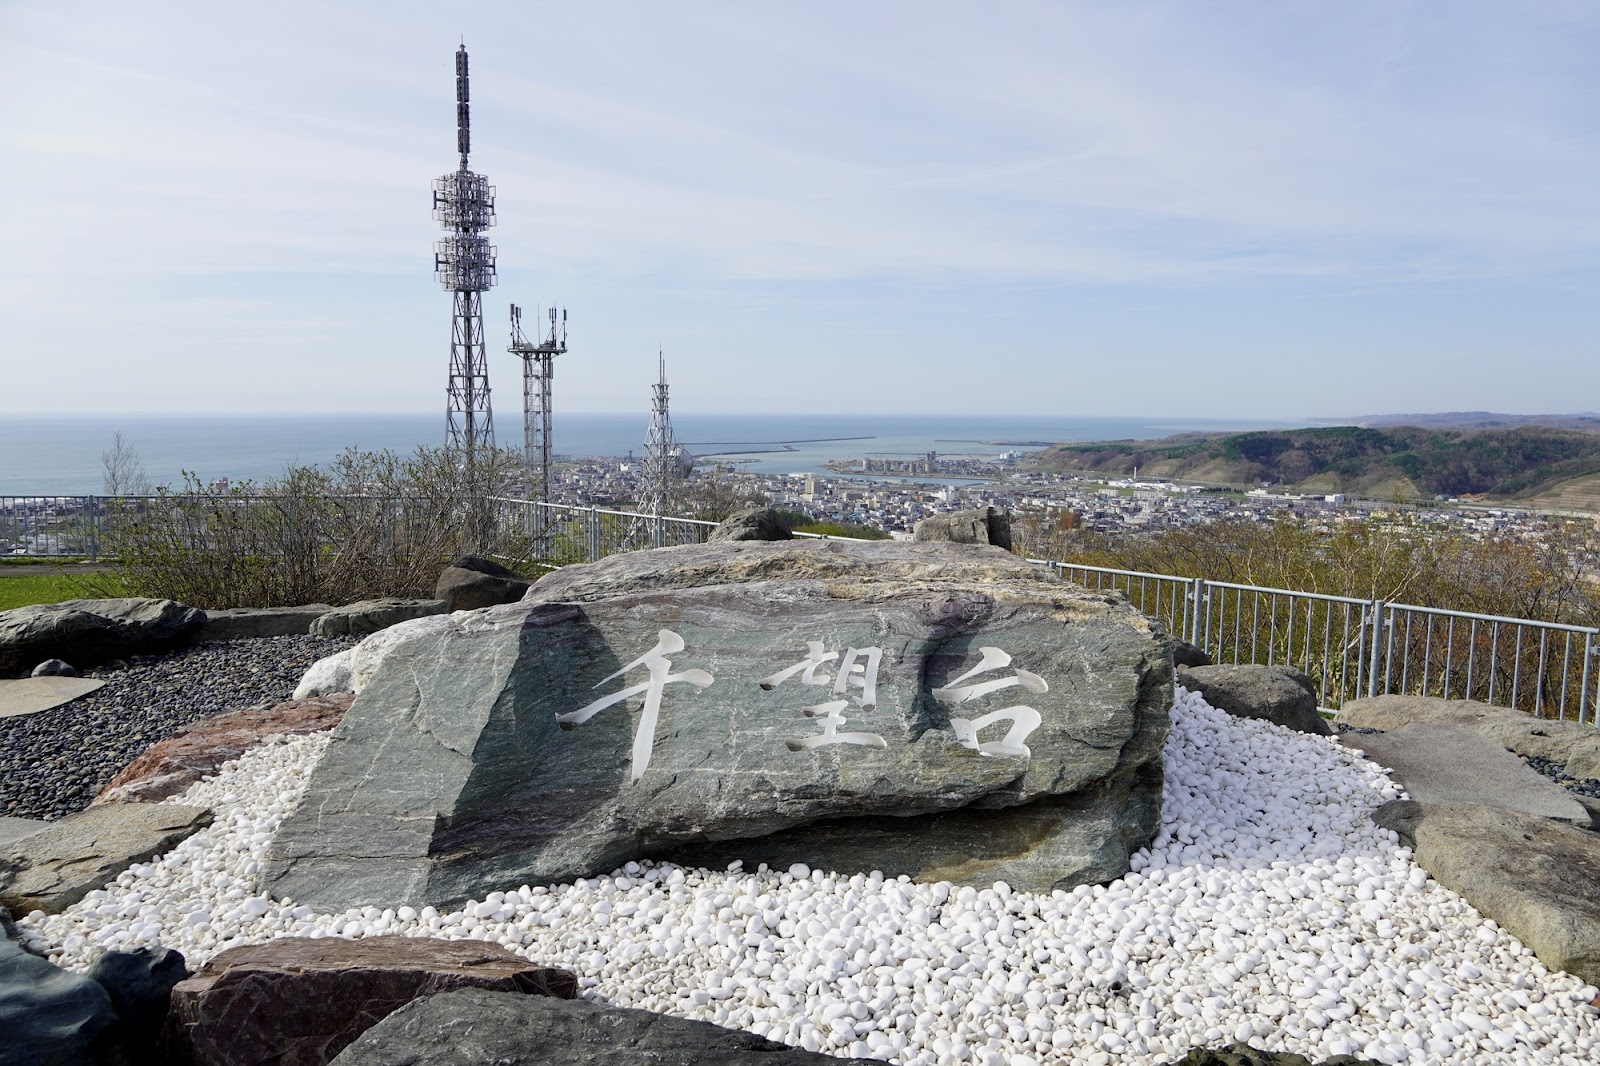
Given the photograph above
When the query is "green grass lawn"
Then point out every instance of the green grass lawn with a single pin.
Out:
(51, 588)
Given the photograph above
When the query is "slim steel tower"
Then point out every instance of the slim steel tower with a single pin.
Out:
(538, 365)
(663, 459)
(463, 202)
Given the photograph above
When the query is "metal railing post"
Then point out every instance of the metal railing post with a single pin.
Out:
(594, 534)
(1376, 652)
(1197, 592)
(94, 528)
(1589, 653)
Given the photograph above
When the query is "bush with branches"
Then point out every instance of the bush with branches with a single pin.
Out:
(371, 524)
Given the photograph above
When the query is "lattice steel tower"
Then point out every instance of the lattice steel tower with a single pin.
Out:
(463, 202)
(538, 365)
(661, 456)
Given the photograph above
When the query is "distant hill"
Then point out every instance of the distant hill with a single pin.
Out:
(1512, 464)
(1588, 421)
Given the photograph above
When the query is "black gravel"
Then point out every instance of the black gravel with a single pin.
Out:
(1341, 728)
(52, 763)
(1583, 786)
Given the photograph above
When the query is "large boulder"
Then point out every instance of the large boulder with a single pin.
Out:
(84, 632)
(981, 525)
(1532, 875)
(1575, 745)
(198, 750)
(369, 616)
(715, 693)
(298, 1000)
(473, 1028)
(752, 523)
(471, 582)
(48, 1016)
(1277, 694)
(53, 868)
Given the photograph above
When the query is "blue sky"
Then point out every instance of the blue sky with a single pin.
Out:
(1282, 210)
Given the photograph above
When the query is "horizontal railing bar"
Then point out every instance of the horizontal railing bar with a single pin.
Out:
(1492, 618)
(1323, 596)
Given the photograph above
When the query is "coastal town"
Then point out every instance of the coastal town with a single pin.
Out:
(894, 500)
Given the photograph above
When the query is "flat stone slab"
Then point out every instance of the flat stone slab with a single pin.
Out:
(1532, 875)
(17, 828)
(369, 616)
(236, 623)
(1572, 744)
(472, 1027)
(303, 1000)
(30, 695)
(54, 868)
(1440, 764)
(169, 766)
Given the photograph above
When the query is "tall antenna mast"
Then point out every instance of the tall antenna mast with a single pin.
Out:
(538, 366)
(660, 460)
(463, 203)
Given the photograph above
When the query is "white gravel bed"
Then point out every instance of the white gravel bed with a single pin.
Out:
(1268, 910)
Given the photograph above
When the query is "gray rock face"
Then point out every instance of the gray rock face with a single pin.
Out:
(470, 583)
(1532, 875)
(53, 668)
(1277, 694)
(752, 523)
(733, 691)
(48, 1017)
(91, 631)
(473, 1027)
(1186, 654)
(1440, 764)
(237, 623)
(369, 616)
(982, 525)
(1573, 744)
(53, 868)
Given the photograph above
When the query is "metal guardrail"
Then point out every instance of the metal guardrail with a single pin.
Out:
(1349, 647)
(1352, 647)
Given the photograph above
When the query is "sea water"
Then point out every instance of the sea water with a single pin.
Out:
(61, 454)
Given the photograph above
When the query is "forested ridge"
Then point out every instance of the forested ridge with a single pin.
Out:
(1402, 459)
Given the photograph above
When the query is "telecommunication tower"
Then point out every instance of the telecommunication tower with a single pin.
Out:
(662, 458)
(463, 203)
(538, 365)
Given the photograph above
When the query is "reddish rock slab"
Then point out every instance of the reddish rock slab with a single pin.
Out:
(298, 1001)
(172, 765)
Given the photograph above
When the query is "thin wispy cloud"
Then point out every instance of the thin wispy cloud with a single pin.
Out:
(757, 155)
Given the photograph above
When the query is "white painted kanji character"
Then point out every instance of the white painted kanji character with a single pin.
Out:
(667, 643)
(828, 714)
(867, 682)
(815, 657)
(1024, 720)
(852, 674)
